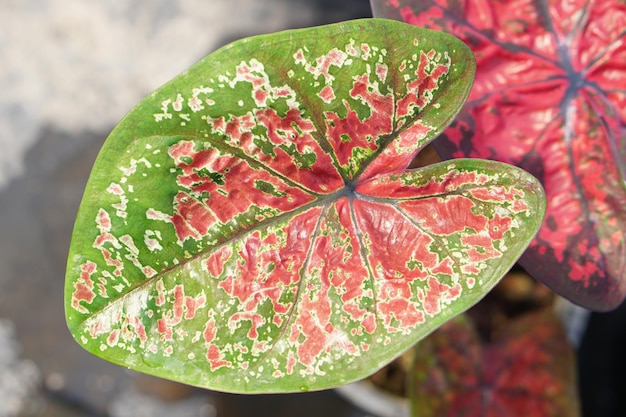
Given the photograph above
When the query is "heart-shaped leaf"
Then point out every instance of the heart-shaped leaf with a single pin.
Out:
(528, 370)
(549, 97)
(251, 227)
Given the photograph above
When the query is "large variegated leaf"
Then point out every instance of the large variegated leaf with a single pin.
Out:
(251, 227)
(549, 97)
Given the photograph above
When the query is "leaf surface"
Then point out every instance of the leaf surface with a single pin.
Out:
(251, 225)
(549, 97)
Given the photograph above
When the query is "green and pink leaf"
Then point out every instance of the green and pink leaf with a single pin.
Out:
(251, 226)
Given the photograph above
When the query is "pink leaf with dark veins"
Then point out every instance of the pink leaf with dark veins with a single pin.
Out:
(528, 369)
(549, 97)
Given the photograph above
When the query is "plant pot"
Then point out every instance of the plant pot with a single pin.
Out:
(374, 400)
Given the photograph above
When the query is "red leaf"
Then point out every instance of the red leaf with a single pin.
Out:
(528, 370)
(549, 97)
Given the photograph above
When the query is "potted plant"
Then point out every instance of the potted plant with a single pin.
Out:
(252, 226)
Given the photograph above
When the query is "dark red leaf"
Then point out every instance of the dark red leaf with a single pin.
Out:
(528, 370)
(549, 97)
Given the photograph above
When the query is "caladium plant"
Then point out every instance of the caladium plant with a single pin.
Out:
(527, 369)
(549, 97)
(251, 226)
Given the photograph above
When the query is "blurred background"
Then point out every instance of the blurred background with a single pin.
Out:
(69, 71)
